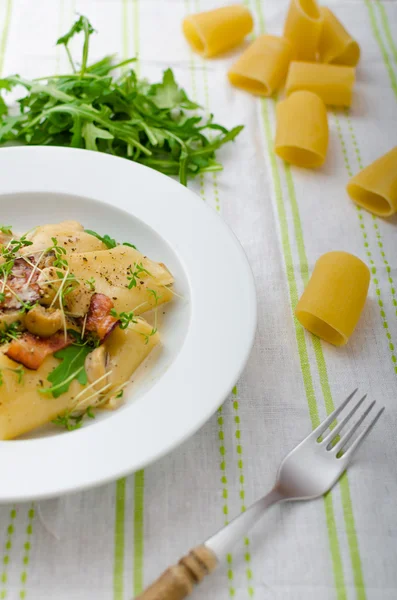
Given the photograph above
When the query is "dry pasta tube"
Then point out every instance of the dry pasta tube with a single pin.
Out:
(262, 68)
(336, 45)
(302, 130)
(375, 187)
(333, 83)
(334, 298)
(303, 28)
(216, 31)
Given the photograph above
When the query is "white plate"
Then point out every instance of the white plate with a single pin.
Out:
(207, 335)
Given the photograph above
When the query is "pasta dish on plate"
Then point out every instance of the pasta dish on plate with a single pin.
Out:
(71, 330)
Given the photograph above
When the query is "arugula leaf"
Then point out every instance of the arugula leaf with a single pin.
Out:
(76, 28)
(91, 133)
(72, 367)
(168, 95)
(106, 239)
(123, 116)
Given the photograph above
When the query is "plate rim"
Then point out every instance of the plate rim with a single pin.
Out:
(44, 169)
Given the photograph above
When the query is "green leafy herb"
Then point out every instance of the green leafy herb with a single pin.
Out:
(19, 372)
(60, 253)
(72, 367)
(72, 422)
(106, 239)
(123, 116)
(155, 295)
(124, 318)
(120, 394)
(91, 283)
(135, 273)
(10, 332)
(6, 229)
(147, 336)
(9, 254)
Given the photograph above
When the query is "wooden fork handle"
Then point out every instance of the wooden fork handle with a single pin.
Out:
(177, 582)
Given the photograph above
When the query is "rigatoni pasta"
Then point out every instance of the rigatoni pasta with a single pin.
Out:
(303, 28)
(334, 298)
(336, 45)
(333, 83)
(262, 68)
(375, 187)
(302, 130)
(215, 31)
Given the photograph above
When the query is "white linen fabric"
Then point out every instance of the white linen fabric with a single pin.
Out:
(110, 542)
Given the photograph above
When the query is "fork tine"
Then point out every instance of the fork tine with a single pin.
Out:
(331, 436)
(357, 443)
(327, 422)
(343, 441)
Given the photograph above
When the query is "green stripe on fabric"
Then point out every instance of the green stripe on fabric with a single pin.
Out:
(222, 450)
(386, 26)
(4, 34)
(372, 265)
(119, 541)
(60, 32)
(6, 553)
(382, 47)
(26, 553)
(299, 332)
(225, 496)
(329, 405)
(240, 465)
(124, 19)
(302, 347)
(136, 36)
(345, 492)
(217, 201)
(379, 239)
(328, 400)
(139, 493)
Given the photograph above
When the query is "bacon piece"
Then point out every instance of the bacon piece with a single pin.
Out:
(31, 350)
(99, 319)
(17, 281)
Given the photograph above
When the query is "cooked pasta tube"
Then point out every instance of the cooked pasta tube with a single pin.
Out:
(302, 130)
(23, 407)
(262, 68)
(333, 83)
(215, 31)
(334, 298)
(132, 281)
(336, 45)
(375, 187)
(303, 28)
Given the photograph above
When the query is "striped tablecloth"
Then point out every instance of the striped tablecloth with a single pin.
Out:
(110, 542)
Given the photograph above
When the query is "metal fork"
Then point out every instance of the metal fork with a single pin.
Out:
(307, 472)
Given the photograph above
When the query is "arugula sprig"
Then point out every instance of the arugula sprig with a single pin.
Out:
(107, 240)
(123, 116)
(71, 367)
